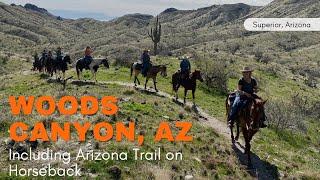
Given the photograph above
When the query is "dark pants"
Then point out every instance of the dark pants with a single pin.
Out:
(87, 60)
(145, 68)
(239, 102)
(184, 74)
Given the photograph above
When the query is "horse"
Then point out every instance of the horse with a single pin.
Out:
(94, 66)
(48, 64)
(152, 73)
(249, 119)
(37, 65)
(62, 65)
(189, 83)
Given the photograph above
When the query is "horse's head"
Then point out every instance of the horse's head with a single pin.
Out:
(67, 59)
(197, 75)
(257, 111)
(105, 63)
(163, 70)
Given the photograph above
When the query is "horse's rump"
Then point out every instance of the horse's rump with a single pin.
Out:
(137, 66)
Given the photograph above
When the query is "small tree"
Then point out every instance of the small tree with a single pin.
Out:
(155, 35)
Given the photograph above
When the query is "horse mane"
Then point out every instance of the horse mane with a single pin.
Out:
(259, 102)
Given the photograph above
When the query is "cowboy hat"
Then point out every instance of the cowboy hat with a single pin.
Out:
(247, 69)
(146, 50)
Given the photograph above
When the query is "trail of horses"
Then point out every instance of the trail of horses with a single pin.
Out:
(261, 169)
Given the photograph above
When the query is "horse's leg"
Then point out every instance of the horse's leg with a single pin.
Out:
(138, 80)
(176, 90)
(155, 84)
(238, 130)
(63, 75)
(247, 144)
(145, 85)
(232, 136)
(135, 79)
(185, 95)
(193, 98)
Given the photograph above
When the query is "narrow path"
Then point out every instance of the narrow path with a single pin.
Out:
(261, 169)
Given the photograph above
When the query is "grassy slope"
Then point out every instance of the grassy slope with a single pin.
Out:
(149, 110)
(295, 154)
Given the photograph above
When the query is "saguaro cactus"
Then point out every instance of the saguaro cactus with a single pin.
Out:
(155, 35)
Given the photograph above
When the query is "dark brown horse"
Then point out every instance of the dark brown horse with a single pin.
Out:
(48, 64)
(249, 120)
(61, 66)
(152, 73)
(37, 65)
(189, 83)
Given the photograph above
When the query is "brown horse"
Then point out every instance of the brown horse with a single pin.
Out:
(152, 73)
(249, 120)
(188, 83)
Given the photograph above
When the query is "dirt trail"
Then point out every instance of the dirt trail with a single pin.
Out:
(261, 169)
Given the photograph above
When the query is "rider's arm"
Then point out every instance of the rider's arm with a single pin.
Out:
(242, 92)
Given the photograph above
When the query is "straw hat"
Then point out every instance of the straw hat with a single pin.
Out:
(247, 69)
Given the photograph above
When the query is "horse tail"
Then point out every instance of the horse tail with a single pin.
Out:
(131, 70)
(227, 107)
(174, 82)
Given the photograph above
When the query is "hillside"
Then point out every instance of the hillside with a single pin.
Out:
(287, 67)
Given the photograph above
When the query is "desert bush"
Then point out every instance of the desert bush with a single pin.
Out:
(310, 81)
(5, 60)
(214, 72)
(233, 48)
(282, 115)
(290, 114)
(266, 59)
(126, 57)
(288, 42)
(258, 54)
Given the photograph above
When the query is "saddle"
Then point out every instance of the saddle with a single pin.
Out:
(183, 75)
(85, 62)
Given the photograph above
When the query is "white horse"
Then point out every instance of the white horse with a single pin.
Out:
(93, 66)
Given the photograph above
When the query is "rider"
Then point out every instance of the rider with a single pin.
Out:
(185, 68)
(88, 56)
(59, 53)
(49, 54)
(44, 53)
(146, 63)
(247, 87)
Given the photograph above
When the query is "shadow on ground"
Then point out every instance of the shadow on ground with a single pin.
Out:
(260, 169)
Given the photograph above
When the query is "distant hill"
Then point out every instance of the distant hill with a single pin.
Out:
(32, 28)
(70, 14)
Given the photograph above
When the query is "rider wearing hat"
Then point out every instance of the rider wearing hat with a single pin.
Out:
(146, 63)
(247, 87)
